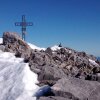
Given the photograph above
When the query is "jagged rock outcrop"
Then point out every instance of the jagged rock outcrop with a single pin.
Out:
(13, 43)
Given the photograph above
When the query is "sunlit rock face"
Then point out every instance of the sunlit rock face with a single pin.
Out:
(77, 89)
(17, 82)
(13, 43)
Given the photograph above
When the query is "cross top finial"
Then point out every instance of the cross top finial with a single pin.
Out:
(23, 24)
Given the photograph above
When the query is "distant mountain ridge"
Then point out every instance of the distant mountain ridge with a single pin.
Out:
(98, 58)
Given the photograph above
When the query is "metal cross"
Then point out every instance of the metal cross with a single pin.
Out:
(23, 24)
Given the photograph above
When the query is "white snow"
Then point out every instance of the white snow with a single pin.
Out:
(17, 81)
(1, 40)
(93, 62)
(55, 47)
(30, 79)
(35, 47)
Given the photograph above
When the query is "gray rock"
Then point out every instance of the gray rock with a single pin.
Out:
(35, 68)
(51, 73)
(49, 51)
(2, 47)
(14, 43)
(98, 62)
(53, 98)
(77, 89)
(98, 77)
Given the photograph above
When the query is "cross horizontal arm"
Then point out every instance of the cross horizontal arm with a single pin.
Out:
(18, 24)
(29, 24)
(23, 24)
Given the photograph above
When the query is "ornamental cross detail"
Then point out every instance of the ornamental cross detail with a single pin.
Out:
(23, 24)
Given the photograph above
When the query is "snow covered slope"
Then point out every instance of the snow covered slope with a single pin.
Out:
(55, 47)
(35, 47)
(17, 82)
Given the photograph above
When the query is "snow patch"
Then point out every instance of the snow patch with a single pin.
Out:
(55, 48)
(30, 87)
(93, 62)
(1, 40)
(30, 79)
(35, 47)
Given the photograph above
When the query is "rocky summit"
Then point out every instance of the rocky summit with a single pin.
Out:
(71, 75)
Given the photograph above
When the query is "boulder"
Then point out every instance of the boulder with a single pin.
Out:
(77, 89)
(44, 91)
(2, 48)
(49, 51)
(14, 43)
(51, 74)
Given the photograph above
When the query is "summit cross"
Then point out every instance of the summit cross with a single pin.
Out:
(23, 24)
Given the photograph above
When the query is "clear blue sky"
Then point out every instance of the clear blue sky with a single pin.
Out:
(74, 23)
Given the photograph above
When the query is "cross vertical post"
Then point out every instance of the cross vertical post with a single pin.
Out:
(23, 27)
(23, 24)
